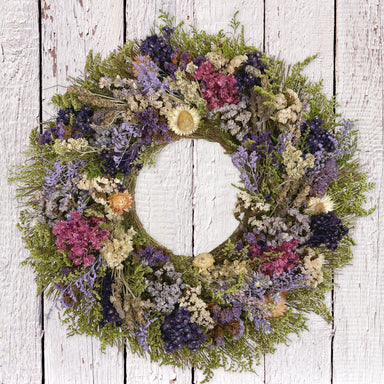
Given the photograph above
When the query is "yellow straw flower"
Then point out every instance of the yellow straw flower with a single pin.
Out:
(183, 120)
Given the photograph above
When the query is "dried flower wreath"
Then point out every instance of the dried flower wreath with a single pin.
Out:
(301, 189)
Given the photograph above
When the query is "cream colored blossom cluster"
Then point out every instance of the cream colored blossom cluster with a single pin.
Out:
(61, 147)
(312, 267)
(189, 88)
(275, 306)
(253, 71)
(219, 62)
(246, 203)
(217, 59)
(118, 248)
(228, 270)
(137, 102)
(231, 269)
(205, 263)
(294, 163)
(99, 187)
(235, 64)
(197, 307)
(288, 107)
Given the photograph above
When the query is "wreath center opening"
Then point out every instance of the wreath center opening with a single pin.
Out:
(186, 200)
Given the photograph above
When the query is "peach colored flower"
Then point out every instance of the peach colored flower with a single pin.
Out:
(276, 307)
(120, 202)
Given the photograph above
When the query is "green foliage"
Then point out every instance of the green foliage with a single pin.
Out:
(67, 100)
(44, 258)
(199, 43)
(115, 64)
(134, 273)
(349, 191)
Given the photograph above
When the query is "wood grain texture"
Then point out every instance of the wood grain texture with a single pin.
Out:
(163, 198)
(359, 317)
(298, 29)
(214, 196)
(213, 15)
(69, 30)
(295, 30)
(163, 193)
(212, 216)
(20, 327)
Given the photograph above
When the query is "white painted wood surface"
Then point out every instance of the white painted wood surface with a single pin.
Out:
(190, 179)
(69, 30)
(359, 300)
(291, 29)
(20, 326)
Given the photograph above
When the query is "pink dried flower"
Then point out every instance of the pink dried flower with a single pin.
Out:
(79, 235)
(275, 260)
(218, 89)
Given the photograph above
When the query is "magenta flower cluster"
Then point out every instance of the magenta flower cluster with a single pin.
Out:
(218, 89)
(275, 261)
(79, 235)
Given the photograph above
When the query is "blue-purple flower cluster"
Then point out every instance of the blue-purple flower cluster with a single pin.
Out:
(177, 332)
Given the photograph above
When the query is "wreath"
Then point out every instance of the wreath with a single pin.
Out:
(300, 190)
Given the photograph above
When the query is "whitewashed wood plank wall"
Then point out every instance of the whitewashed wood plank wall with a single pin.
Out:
(185, 201)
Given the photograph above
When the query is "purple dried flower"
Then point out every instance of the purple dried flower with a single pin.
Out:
(246, 79)
(151, 128)
(80, 125)
(142, 333)
(327, 230)
(179, 60)
(147, 75)
(324, 178)
(177, 331)
(84, 284)
(253, 149)
(167, 32)
(125, 150)
(149, 256)
(318, 138)
(61, 174)
(110, 314)
(158, 48)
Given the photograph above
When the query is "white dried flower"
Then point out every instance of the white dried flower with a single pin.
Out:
(288, 110)
(294, 163)
(197, 307)
(118, 248)
(312, 267)
(216, 59)
(317, 205)
(235, 63)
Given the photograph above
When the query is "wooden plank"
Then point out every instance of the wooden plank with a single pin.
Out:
(211, 16)
(69, 30)
(163, 198)
(214, 198)
(164, 193)
(20, 325)
(293, 31)
(359, 316)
